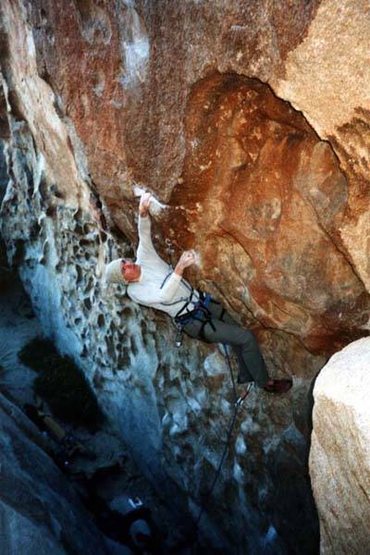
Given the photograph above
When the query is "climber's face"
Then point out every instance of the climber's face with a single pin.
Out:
(130, 271)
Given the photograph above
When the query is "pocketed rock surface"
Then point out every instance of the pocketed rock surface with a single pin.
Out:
(250, 122)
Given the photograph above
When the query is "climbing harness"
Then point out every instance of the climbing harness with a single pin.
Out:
(199, 303)
(200, 312)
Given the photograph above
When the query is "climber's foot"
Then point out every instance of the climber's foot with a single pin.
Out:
(278, 386)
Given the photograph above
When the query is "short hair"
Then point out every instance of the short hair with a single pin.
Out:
(113, 272)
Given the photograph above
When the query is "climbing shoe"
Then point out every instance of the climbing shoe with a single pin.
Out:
(278, 386)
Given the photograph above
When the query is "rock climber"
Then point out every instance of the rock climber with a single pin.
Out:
(150, 283)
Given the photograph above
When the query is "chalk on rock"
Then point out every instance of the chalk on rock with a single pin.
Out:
(155, 207)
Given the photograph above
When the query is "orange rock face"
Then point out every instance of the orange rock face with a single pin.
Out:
(258, 193)
(263, 197)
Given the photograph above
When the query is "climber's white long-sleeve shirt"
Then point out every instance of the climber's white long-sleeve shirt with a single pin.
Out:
(159, 287)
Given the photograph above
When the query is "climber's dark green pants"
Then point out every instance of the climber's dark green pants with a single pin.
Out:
(252, 367)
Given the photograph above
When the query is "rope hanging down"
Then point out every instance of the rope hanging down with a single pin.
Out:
(237, 405)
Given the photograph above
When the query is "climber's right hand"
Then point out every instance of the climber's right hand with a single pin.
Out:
(186, 259)
(144, 204)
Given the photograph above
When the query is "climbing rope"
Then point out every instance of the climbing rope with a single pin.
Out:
(237, 405)
(231, 372)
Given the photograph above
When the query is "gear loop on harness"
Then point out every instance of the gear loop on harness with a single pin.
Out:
(200, 313)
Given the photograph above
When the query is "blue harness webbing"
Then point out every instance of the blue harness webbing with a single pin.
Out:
(200, 310)
(200, 313)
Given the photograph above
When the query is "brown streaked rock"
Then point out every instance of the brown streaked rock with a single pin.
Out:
(262, 200)
(326, 77)
(31, 99)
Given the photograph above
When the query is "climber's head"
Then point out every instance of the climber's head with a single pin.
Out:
(122, 270)
(130, 271)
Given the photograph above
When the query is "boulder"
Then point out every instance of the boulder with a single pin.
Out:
(340, 451)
